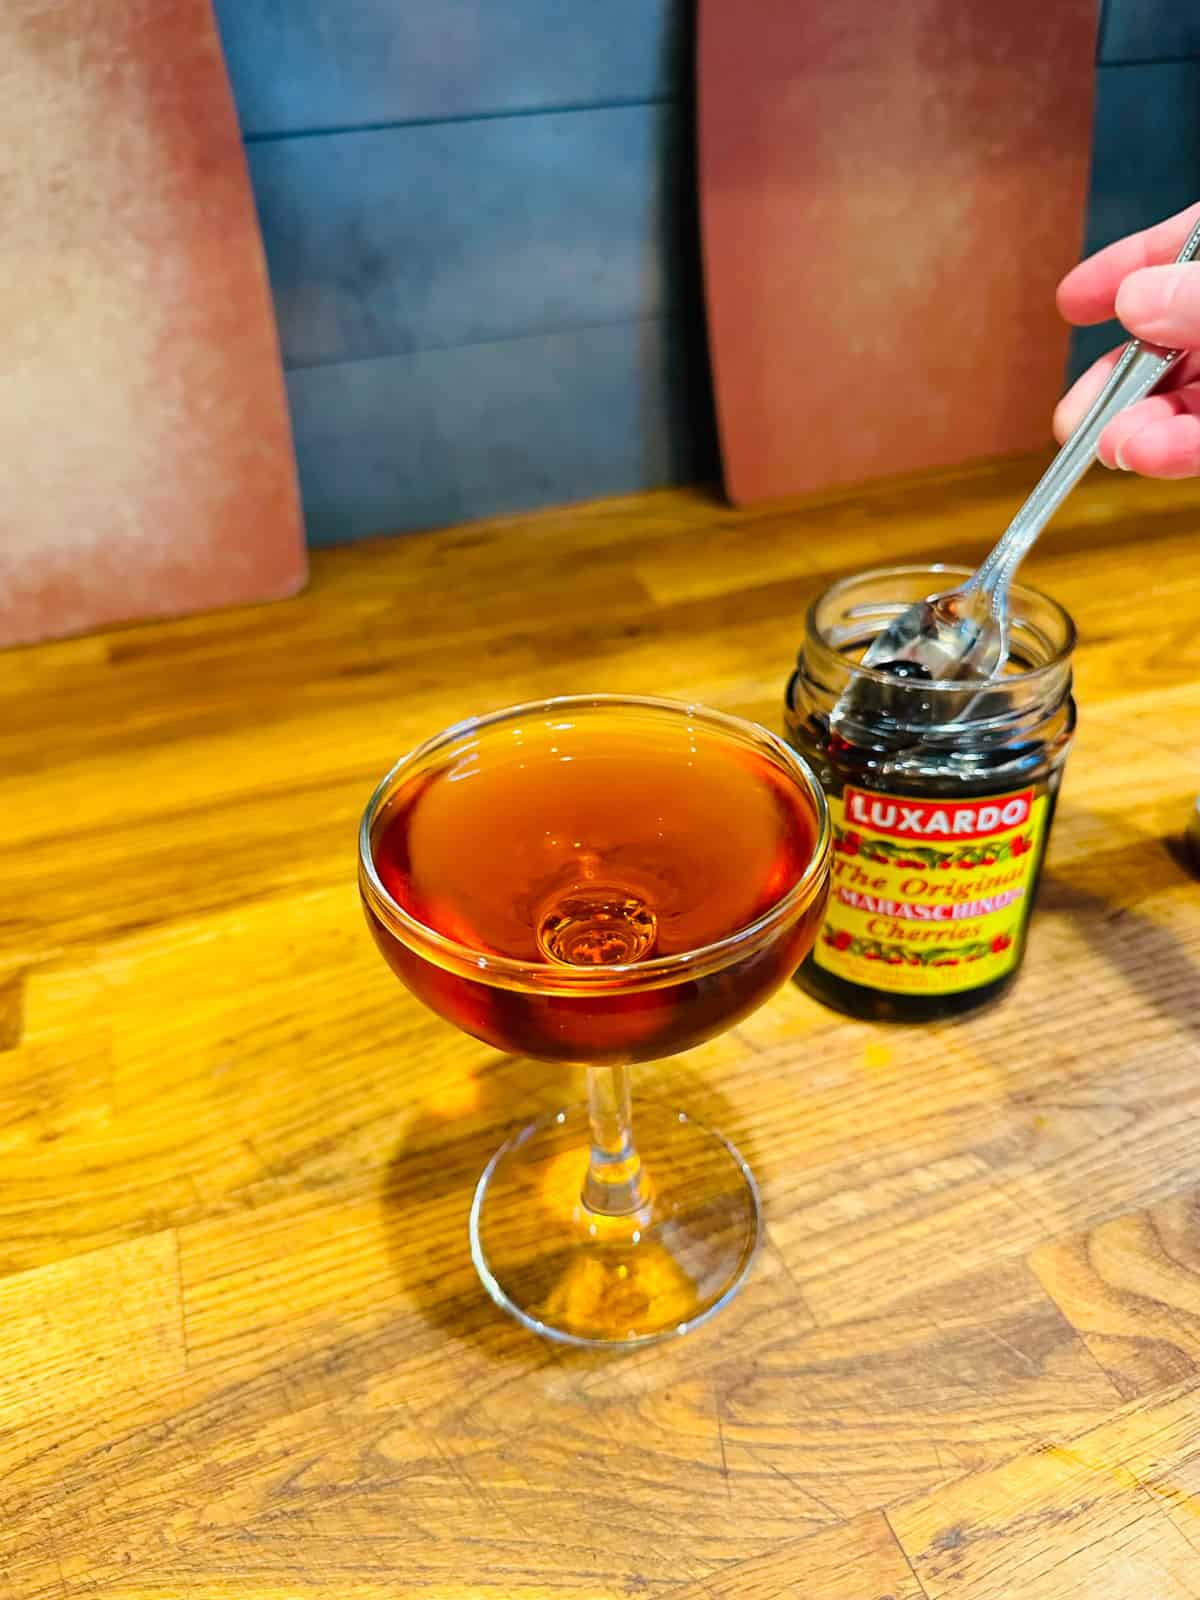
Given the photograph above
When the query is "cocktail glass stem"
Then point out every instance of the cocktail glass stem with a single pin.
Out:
(615, 1184)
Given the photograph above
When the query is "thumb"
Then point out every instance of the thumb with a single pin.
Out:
(1162, 305)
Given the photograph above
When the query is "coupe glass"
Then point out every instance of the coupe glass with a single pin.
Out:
(591, 835)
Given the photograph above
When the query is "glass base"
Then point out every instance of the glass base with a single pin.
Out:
(586, 1278)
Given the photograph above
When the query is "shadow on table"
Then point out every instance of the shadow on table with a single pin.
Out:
(430, 1179)
(1149, 957)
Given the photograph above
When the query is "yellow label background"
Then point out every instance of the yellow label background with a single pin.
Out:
(918, 956)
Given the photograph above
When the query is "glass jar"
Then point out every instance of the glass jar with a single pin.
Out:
(942, 796)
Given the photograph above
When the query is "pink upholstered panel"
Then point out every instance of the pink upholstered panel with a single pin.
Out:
(145, 457)
(890, 190)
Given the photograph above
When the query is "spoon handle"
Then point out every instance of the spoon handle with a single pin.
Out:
(1141, 368)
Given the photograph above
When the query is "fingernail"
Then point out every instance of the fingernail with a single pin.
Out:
(1120, 456)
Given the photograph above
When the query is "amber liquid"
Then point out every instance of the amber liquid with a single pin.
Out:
(599, 839)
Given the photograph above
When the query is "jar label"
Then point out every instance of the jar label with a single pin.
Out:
(929, 896)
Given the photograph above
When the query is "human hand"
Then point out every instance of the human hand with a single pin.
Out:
(1156, 301)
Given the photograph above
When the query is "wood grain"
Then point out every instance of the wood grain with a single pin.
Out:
(1130, 1287)
(243, 1352)
(862, 1558)
(76, 1330)
(1110, 1513)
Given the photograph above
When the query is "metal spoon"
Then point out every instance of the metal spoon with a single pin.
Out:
(963, 632)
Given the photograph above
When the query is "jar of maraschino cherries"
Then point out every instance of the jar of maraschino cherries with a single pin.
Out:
(942, 797)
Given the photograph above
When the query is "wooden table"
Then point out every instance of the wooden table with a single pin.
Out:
(243, 1352)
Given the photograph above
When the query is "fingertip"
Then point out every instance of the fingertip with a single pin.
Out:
(1140, 298)
(1107, 449)
(1070, 409)
(1168, 449)
(1064, 296)
(1158, 408)
(1085, 295)
(1162, 304)
(1076, 291)
(1145, 451)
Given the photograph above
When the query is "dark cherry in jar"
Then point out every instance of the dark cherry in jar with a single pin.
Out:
(942, 797)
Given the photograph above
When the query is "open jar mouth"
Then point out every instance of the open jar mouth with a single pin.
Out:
(844, 619)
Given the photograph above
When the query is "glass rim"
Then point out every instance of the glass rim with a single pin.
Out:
(629, 976)
(942, 686)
